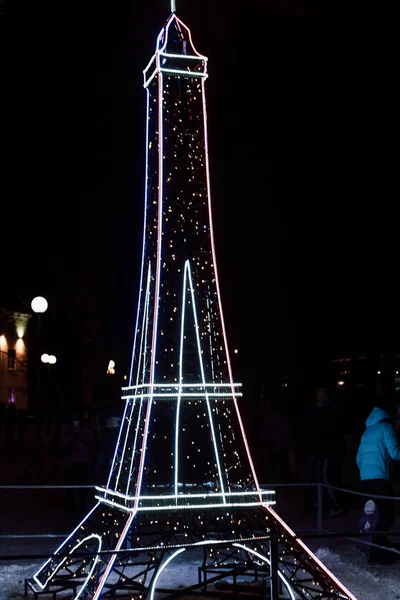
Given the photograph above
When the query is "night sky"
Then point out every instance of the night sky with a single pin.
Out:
(305, 200)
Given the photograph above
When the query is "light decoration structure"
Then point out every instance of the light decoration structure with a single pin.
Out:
(182, 478)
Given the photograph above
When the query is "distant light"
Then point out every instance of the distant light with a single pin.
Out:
(341, 383)
(378, 372)
(52, 359)
(111, 368)
(45, 358)
(20, 331)
(39, 304)
(236, 351)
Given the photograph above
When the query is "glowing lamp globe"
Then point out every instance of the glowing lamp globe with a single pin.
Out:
(45, 358)
(52, 359)
(39, 304)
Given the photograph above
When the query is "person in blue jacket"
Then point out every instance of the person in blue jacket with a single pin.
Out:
(379, 446)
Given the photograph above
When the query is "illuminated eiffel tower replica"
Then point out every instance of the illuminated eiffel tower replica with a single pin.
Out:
(182, 479)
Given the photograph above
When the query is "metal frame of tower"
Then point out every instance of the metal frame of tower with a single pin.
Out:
(182, 482)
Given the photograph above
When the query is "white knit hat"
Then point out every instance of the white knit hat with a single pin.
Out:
(369, 507)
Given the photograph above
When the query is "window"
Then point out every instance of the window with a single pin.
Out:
(12, 360)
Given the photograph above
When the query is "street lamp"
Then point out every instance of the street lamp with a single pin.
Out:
(48, 359)
(39, 306)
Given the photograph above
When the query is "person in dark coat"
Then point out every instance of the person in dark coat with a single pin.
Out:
(379, 446)
(107, 444)
(277, 440)
(74, 464)
(325, 449)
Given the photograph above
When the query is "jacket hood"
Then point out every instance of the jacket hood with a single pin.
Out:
(376, 415)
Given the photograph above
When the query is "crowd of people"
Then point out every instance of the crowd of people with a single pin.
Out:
(14, 421)
(324, 446)
(314, 451)
(83, 449)
(73, 450)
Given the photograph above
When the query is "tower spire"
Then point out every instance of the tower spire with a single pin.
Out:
(173, 6)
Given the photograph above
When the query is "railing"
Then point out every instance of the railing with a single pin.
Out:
(320, 529)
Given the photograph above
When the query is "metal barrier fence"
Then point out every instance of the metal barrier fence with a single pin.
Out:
(56, 507)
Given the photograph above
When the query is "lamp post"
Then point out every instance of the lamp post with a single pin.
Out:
(39, 306)
(48, 359)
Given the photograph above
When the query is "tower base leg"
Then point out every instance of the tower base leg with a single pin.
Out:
(113, 554)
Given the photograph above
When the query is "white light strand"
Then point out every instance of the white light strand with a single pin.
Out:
(181, 395)
(85, 540)
(142, 355)
(179, 385)
(209, 494)
(267, 560)
(210, 416)
(65, 542)
(173, 507)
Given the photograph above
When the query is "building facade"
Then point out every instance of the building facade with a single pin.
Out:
(14, 358)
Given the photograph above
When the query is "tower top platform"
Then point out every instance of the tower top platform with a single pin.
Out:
(175, 53)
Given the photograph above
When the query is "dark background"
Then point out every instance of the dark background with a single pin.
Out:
(302, 148)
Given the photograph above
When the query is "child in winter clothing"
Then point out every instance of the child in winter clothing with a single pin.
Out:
(379, 446)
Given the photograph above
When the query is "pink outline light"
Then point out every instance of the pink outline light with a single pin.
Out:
(310, 553)
(219, 294)
(114, 556)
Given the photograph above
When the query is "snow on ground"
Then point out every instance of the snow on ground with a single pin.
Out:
(366, 582)
(347, 563)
